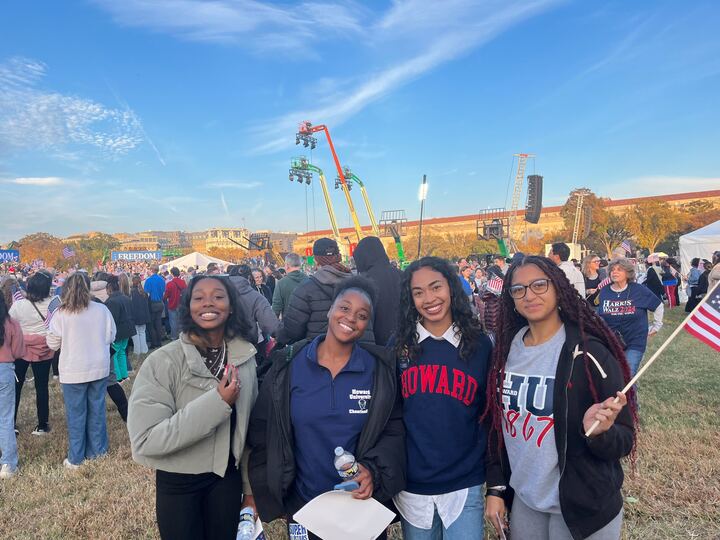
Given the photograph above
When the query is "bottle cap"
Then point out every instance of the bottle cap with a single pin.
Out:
(339, 451)
(247, 510)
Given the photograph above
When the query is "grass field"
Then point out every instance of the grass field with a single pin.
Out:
(674, 492)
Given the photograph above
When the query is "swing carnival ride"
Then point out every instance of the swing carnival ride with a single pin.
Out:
(500, 224)
(305, 134)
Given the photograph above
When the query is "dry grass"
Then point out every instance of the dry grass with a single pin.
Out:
(675, 490)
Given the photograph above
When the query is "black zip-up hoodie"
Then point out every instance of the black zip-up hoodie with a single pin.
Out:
(380, 448)
(591, 475)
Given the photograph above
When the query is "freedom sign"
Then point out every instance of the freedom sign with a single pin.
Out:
(9, 255)
(136, 255)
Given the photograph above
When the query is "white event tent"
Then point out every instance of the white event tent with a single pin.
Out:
(195, 259)
(699, 243)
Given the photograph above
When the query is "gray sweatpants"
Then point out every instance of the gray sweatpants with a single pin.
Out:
(528, 524)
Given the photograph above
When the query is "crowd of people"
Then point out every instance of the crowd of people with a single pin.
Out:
(462, 389)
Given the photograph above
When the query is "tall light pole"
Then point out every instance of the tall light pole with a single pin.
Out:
(422, 195)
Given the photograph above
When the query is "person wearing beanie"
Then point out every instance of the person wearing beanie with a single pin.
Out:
(306, 315)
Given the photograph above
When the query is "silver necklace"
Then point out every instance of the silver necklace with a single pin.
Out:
(217, 363)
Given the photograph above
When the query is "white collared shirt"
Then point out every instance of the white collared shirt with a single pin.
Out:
(418, 510)
(451, 335)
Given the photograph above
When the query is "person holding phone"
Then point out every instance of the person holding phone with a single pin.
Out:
(321, 394)
(189, 412)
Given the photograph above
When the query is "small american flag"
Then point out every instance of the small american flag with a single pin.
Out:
(626, 246)
(604, 283)
(68, 252)
(17, 294)
(495, 285)
(52, 308)
(704, 324)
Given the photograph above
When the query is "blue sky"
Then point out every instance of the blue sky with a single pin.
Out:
(181, 114)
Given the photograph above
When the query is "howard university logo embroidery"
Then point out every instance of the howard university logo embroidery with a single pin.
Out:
(528, 406)
(436, 379)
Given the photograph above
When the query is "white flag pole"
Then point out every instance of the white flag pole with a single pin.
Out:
(654, 357)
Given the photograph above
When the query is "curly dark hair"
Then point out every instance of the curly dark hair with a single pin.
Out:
(235, 326)
(573, 309)
(406, 343)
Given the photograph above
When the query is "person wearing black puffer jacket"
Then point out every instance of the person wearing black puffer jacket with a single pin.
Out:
(372, 262)
(293, 429)
(306, 315)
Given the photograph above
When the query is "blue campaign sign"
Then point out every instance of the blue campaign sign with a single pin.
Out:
(136, 255)
(9, 255)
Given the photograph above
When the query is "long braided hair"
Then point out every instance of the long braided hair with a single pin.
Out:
(572, 309)
(406, 344)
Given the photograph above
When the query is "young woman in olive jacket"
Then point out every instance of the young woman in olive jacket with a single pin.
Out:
(189, 412)
(279, 466)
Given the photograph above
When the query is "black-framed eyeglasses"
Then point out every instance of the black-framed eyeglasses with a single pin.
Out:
(539, 286)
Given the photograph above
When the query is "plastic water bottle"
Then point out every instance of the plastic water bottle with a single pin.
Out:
(345, 464)
(246, 527)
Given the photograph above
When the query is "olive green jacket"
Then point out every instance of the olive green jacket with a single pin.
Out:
(177, 420)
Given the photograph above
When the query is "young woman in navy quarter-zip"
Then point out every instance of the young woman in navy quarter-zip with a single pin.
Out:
(320, 394)
(443, 357)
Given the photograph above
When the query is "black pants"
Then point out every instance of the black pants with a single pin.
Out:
(117, 394)
(56, 364)
(41, 372)
(207, 511)
(155, 325)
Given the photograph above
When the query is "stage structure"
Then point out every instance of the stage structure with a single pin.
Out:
(305, 134)
(392, 223)
(351, 178)
(494, 224)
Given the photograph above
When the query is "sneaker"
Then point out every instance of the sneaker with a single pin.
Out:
(41, 430)
(17, 432)
(56, 377)
(7, 472)
(70, 466)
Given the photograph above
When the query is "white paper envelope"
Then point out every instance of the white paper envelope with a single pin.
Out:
(335, 515)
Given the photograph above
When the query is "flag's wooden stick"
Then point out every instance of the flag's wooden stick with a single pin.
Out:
(629, 385)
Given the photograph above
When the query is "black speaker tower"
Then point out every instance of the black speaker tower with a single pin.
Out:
(534, 198)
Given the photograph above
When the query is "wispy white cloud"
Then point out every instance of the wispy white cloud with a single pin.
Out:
(224, 204)
(249, 23)
(34, 118)
(233, 185)
(435, 33)
(38, 181)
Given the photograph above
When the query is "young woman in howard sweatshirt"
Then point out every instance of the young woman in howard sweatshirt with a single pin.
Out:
(443, 358)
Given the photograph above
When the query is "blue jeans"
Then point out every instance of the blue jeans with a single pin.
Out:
(174, 320)
(85, 416)
(8, 442)
(468, 526)
(633, 359)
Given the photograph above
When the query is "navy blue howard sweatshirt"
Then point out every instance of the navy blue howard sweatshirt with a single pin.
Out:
(443, 398)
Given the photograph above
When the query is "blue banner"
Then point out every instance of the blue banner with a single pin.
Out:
(136, 255)
(9, 255)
